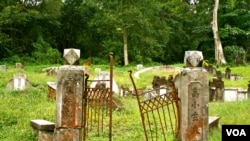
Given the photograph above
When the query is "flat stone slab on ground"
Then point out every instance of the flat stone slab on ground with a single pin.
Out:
(41, 124)
(52, 85)
(213, 121)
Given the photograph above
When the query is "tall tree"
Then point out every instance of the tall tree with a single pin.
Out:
(219, 55)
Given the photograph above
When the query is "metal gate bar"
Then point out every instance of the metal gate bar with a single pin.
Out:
(159, 114)
(98, 106)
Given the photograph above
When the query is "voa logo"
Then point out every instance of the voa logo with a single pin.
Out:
(236, 132)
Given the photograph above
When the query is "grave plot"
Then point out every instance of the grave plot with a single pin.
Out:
(19, 82)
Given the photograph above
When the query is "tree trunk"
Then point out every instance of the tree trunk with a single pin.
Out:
(219, 55)
(125, 46)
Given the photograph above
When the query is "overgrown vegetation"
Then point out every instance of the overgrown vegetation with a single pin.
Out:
(17, 108)
(156, 31)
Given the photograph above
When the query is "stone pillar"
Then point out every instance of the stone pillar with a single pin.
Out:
(69, 104)
(194, 94)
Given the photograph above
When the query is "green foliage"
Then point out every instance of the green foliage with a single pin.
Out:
(45, 54)
(205, 63)
(235, 54)
(157, 30)
(19, 107)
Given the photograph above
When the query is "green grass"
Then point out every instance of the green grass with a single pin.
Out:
(17, 108)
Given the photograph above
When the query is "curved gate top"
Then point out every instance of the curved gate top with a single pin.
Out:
(160, 114)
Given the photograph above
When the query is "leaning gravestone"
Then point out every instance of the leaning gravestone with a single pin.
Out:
(194, 93)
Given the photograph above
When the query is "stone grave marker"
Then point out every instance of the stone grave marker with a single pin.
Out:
(71, 56)
(69, 104)
(227, 73)
(218, 89)
(19, 81)
(19, 66)
(193, 59)
(139, 67)
(3, 68)
(102, 76)
(194, 93)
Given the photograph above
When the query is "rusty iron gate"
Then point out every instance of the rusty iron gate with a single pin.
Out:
(97, 114)
(160, 114)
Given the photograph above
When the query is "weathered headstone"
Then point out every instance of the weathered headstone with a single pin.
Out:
(3, 68)
(218, 92)
(139, 67)
(69, 104)
(193, 59)
(71, 56)
(104, 77)
(19, 81)
(219, 74)
(19, 66)
(51, 90)
(194, 93)
(227, 73)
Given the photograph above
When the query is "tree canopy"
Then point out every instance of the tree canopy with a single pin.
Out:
(37, 31)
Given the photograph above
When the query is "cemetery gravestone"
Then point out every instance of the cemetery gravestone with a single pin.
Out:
(69, 104)
(51, 90)
(105, 78)
(193, 59)
(71, 56)
(19, 66)
(218, 86)
(3, 68)
(139, 67)
(228, 73)
(194, 93)
(19, 81)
